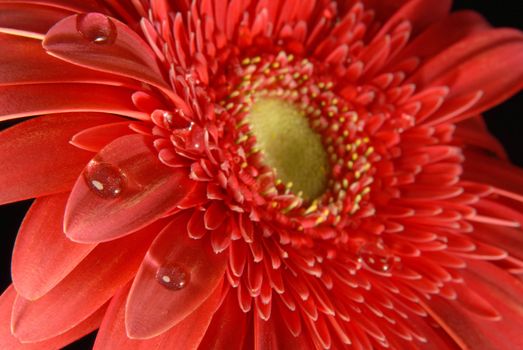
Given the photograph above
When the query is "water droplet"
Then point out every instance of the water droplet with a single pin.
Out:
(376, 257)
(96, 28)
(172, 276)
(106, 180)
(168, 119)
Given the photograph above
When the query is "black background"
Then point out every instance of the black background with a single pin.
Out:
(504, 121)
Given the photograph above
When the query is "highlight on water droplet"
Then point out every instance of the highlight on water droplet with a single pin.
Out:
(377, 257)
(172, 276)
(97, 28)
(105, 180)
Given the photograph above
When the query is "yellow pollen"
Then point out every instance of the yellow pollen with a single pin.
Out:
(290, 147)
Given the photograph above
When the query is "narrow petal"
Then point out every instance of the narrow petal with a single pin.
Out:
(189, 332)
(484, 168)
(147, 190)
(272, 334)
(32, 21)
(27, 100)
(420, 13)
(96, 138)
(22, 59)
(123, 53)
(37, 158)
(154, 305)
(468, 330)
(228, 327)
(456, 55)
(383, 8)
(94, 281)
(43, 255)
(490, 63)
(71, 5)
(112, 334)
(8, 340)
(473, 132)
(443, 34)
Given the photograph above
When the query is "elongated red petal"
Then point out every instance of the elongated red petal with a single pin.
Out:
(271, 334)
(123, 53)
(31, 21)
(489, 62)
(189, 332)
(26, 100)
(468, 330)
(71, 5)
(146, 190)
(228, 327)
(43, 255)
(96, 138)
(108, 267)
(22, 59)
(36, 156)
(154, 304)
(420, 13)
(487, 169)
(112, 334)
(8, 340)
(443, 34)
(383, 8)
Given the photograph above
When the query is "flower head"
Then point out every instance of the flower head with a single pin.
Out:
(259, 174)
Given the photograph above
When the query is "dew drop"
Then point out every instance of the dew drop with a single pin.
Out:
(106, 180)
(376, 257)
(172, 276)
(97, 28)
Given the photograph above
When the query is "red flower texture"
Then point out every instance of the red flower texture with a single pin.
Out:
(272, 174)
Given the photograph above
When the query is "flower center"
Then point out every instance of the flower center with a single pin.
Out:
(289, 146)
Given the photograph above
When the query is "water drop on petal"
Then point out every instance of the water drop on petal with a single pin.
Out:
(96, 28)
(106, 180)
(172, 276)
(376, 257)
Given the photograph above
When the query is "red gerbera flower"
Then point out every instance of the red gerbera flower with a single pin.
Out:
(259, 174)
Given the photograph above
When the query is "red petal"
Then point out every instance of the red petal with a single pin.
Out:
(228, 327)
(31, 21)
(475, 303)
(473, 132)
(123, 53)
(36, 156)
(272, 334)
(27, 100)
(8, 341)
(22, 59)
(214, 215)
(443, 34)
(420, 13)
(96, 138)
(189, 332)
(152, 308)
(84, 290)
(149, 190)
(468, 330)
(72, 5)
(383, 8)
(491, 62)
(41, 237)
(33, 18)
(112, 333)
(487, 169)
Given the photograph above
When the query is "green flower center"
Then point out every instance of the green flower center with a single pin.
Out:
(289, 146)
